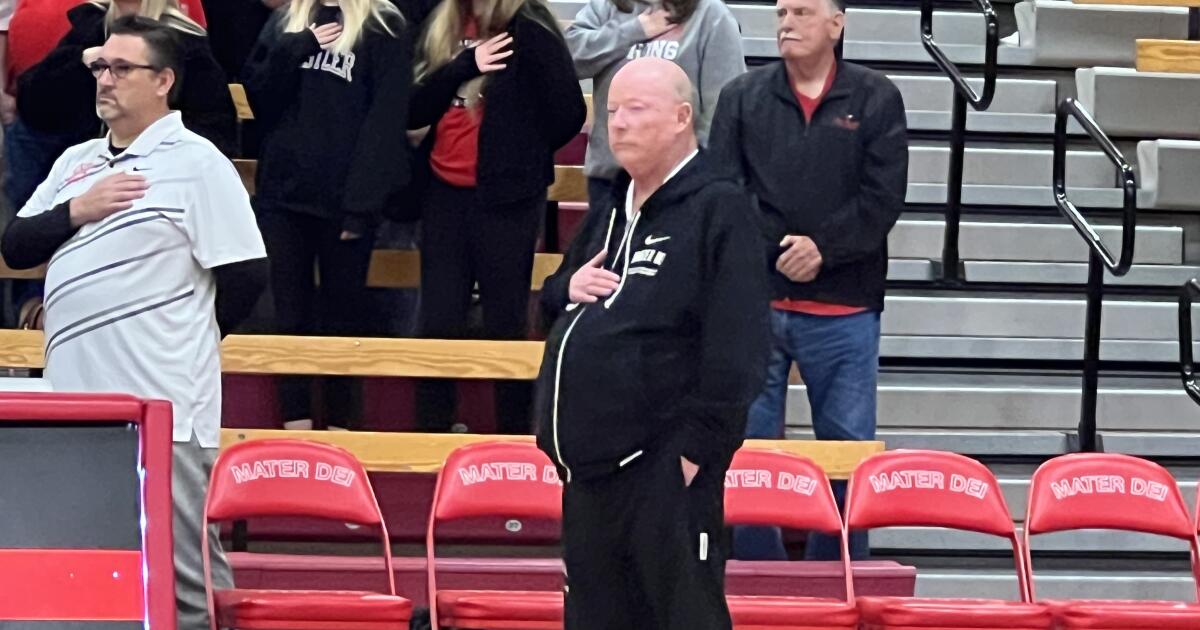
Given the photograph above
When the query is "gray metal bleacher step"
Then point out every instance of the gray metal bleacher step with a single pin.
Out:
(1026, 239)
(1075, 274)
(1167, 174)
(1062, 33)
(929, 539)
(1011, 176)
(1019, 105)
(1068, 584)
(1126, 102)
(963, 325)
(1001, 442)
(999, 403)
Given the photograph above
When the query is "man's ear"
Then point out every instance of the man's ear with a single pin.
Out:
(166, 81)
(685, 114)
(837, 25)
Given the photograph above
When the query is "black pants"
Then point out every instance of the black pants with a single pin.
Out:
(296, 243)
(644, 551)
(465, 241)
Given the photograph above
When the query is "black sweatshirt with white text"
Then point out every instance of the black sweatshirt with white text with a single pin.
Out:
(336, 145)
(678, 352)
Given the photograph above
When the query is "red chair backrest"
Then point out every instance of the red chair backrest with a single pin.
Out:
(497, 479)
(291, 478)
(1106, 491)
(927, 488)
(511, 479)
(779, 489)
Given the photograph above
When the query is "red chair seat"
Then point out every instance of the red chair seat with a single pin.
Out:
(1124, 614)
(796, 613)
(253, 609)
(903, 612)
(500, 609)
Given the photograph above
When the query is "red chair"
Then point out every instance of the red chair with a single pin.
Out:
(298, 478)
(935, 489)
(511, 479)
(1114, 492)
(770, 488)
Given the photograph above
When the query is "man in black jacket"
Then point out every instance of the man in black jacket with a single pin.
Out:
(658, 349)
(821, 144)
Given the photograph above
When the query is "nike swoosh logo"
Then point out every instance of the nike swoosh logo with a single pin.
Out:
(650, 240)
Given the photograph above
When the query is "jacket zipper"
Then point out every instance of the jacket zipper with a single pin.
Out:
(562, 350)
(627, 244)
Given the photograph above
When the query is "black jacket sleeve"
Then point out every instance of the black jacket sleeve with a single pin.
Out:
(551, 80)
(735, 338)
(31, 241)
(239, 286)
(57, 93)
(860, 227)
(381, 158)
(432, 96)
(725, 135)
(204, 97)
(556, 289)
(272, 74)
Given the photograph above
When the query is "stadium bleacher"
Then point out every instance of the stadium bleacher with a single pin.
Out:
(990, 367)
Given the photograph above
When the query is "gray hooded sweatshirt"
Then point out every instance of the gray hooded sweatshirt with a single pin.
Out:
(708, 46)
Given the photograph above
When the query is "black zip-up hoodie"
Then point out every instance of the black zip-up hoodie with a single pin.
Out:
(336, 145)
(678, 352)
(840, 180)
(59, 93)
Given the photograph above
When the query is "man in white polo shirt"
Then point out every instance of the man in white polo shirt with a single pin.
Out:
(152, 252)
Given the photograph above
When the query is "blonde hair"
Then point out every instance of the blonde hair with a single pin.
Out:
(355, 14)
(166, 11)
(440, 42)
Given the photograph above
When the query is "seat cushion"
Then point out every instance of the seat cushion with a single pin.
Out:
(500, 605)
(915, 612)
(791, 612)
(1122, 614)
(235, 607)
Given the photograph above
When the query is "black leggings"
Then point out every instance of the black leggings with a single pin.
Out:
(296, 244)
(463, 242)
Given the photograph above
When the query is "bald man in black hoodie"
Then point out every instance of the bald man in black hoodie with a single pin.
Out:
(659, 346)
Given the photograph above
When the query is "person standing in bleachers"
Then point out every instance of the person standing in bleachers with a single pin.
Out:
(330, 84)
(152, 255)
(498, 94)
(54, 96)
(822, 146)
(701, 36)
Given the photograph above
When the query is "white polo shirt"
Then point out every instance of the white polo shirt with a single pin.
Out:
(130, 299)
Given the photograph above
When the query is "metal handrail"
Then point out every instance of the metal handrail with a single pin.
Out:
(963, 94)
(1070, 108)
(1099, 256)
(992, 28)
(1187, 368)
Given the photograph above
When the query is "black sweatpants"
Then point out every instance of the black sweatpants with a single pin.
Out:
(644, 551)
(464, 241)
(296, 243)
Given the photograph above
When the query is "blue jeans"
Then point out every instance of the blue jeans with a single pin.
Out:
(28, 156)
(838, 358)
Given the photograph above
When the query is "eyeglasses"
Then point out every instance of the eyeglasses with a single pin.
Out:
(118, 70)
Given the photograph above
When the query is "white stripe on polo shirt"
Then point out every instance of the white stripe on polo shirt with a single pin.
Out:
(129, 299)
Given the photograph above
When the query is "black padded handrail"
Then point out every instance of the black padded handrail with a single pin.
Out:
(1187, 368)
(1070, 108)
(992, 44)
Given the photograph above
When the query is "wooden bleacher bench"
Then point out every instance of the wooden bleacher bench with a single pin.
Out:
(435, 358)
(390, 269)
(1168, 55)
